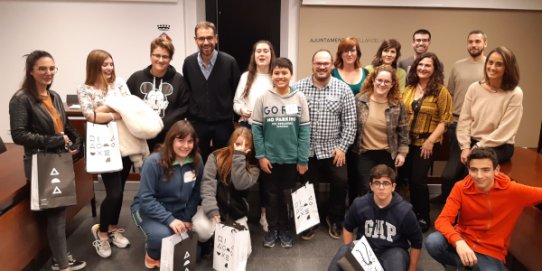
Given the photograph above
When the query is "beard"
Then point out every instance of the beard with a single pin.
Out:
(475, 53)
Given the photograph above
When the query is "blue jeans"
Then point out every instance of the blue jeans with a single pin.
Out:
(438, 247)
(154, 232)
(394, 258)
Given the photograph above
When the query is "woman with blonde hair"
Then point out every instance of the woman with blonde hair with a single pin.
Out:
(101, 83)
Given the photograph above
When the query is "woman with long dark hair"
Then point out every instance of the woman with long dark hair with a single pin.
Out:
(492, 109)
(38, 122)
(429, 108)
(169, 190)
(388, 54)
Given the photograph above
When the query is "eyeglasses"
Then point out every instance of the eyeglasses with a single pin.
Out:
(421, 40)
(208, 38)
(381, 184)
(158, 56)
(44, 70)
(385, 82)
(319, 64)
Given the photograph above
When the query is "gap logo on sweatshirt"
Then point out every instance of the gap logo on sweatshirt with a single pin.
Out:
(380, 229)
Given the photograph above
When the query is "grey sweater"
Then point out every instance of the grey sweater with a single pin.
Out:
(227, 200)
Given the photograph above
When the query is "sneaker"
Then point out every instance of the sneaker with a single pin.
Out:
(263, 222)
(286, 240)
(309, 234)
(424, 225)
(270, 238)
(334, 229)
(118, 239)
(151, 263)
(72, 262)
(103, 248)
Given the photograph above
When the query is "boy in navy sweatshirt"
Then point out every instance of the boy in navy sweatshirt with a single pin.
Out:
(388, 223)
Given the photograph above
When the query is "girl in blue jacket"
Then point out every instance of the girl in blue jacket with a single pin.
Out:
(169, 191)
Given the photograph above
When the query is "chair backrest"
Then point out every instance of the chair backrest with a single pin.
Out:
(71, 99)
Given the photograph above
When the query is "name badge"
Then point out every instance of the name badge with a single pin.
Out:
(189, 176)
(291, 109)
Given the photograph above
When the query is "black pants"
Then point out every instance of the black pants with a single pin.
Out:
(416, 169)
(217, 132)
(454, 170)
(324, 170)
(114, 193)
(353, 176)
(278, 187)
(366, 161)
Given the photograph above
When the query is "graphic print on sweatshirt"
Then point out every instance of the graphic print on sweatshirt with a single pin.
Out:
(156, 97)
(380, 229)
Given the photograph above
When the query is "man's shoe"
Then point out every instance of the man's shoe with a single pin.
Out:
(286, 239)
(151, 263)
(334, 229)
(424, 224)
(103, 248)
(73, 263)
(270, 238)
(118, 239)
(309, 233)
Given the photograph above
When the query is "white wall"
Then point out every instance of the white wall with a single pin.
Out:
(69, 30)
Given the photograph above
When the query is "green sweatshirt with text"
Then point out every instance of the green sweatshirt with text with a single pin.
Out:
(281, 127)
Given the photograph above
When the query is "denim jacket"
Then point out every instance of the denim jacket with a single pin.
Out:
(396, 123)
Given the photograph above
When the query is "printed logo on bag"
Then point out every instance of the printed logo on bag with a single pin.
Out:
(57, 191)
(55, 180)
(54, 172)
(186, 255)
(224, 249)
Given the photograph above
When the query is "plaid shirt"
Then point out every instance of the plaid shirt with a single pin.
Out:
(332, 113)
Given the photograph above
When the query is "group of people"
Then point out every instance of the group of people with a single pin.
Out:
(363, 130)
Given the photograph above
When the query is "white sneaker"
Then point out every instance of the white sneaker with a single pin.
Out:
(103, 248)
(118, 239)
(263, 222)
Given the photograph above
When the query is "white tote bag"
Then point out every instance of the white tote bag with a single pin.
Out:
(232, 247)
(365, 256)
(103, 148)
(305, 209)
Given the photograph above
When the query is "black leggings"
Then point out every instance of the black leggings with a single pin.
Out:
(114, 188)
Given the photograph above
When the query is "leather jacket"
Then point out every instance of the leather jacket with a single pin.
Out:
(32, 126)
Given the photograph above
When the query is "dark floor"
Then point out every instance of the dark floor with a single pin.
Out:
(305, 255)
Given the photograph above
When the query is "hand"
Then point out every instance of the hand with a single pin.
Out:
(216, 219)
(426, 149)
(464, 155)
(399, 160)
(240, 145)
(338, 157)
(265, 165)
(177, 226)
(245, 113)
(302, 168)
(74, 152)
(466, 254)
(188, 225)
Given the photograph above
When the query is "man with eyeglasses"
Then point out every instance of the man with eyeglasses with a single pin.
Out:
(333, 114)
(161, 87)
(387, 221)
(421, 40)
(476, 223)
(464, 72)
(212, 78)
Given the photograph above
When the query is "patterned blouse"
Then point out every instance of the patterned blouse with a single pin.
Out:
(91, 98)
(433, 111)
